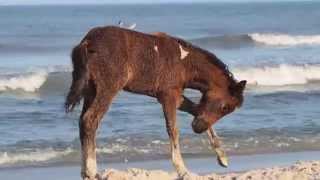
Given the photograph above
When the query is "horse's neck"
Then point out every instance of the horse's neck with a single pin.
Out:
(205, 70)
(204, 77)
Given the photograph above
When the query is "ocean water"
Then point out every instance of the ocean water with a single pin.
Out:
(275, 46)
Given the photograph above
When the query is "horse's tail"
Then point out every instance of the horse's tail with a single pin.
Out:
(79, 76)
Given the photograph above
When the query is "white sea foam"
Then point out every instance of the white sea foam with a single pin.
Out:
(113, 149)
(29, 82)
(119, 148)
(281, 75)
(36, 156)
(285, 40)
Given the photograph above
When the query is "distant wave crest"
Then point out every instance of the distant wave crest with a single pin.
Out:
(224, 41)
(285, 39)
(247, 40)
(280, 75)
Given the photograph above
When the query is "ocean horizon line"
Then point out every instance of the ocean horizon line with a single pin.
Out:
(161, 3)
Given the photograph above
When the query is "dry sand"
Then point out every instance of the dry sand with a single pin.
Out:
(298, 171)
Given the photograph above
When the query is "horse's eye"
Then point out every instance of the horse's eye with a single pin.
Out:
(225, 108)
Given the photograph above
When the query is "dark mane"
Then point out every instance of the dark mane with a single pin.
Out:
(217, 62)
(213, 59)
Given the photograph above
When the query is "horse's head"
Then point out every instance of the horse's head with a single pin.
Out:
(215, 104)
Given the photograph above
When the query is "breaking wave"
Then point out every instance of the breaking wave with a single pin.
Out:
(57, 82)
(42, 80)
(285, 39)
(280, 75)
(250, 40)
(29, 82)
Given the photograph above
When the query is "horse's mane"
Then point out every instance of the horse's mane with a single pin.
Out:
(212, 58)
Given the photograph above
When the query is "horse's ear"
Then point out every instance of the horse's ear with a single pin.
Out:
(241, 85)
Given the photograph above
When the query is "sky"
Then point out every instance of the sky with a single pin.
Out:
(35, 2)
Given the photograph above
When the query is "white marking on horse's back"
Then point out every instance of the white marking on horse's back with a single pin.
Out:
(123, 25)
(183, 53)
(132, 26)
(156, 48)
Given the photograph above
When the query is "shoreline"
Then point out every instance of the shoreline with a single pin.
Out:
(200, 166)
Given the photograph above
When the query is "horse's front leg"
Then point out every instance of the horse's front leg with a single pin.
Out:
(170, 102)
(189, 106)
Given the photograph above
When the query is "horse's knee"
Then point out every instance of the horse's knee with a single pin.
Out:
(88, 126)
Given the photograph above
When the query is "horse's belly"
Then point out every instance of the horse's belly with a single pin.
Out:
(147, 86)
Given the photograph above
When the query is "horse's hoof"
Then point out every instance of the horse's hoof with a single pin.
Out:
(97, 177)
(223, 162)
(189, 176)
(88, 178)
(222, 158)
(182, 174)
(106, 174)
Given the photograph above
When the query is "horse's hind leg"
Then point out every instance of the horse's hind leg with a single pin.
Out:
(96, 103)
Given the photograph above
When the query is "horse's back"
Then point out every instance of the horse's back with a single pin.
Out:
(145, 62)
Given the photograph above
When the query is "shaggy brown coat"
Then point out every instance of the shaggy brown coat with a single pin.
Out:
(110, 59)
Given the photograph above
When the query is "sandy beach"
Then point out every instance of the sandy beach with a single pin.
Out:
(298, 171)
(256, 168)
(283, 166)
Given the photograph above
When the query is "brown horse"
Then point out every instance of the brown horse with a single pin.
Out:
(110, 59)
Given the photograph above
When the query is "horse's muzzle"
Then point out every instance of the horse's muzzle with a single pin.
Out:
(199, 125)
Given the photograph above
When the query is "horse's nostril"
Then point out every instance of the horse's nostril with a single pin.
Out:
(194, 122)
